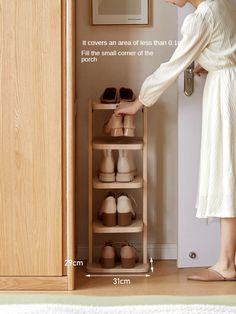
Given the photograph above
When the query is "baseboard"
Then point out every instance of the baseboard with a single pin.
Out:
(156, 251)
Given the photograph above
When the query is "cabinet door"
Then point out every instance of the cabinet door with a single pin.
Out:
(30, 138)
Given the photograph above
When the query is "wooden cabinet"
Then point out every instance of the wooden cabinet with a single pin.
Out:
(37, 98)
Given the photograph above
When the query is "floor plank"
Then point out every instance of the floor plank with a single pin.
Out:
(166, 279)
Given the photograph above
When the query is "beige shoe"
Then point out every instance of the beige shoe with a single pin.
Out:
(128, 256)
(125, 211)
(107, 259)
(114, 126)
(107, 212)
(125, 167)
(107, 167)
(129, 126)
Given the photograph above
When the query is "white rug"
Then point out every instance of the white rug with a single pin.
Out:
(130, 309)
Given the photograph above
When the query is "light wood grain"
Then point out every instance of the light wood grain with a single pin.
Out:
(33, 283)
(134, 227)
(145, 191)
(71, 96)
(166, 279)
(121, 142)
(90, 182)
(63, 148)
(30, 138)
(137, 183)
(96, 268)
(100, 106)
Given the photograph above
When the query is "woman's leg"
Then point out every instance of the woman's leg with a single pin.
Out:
(225, 264)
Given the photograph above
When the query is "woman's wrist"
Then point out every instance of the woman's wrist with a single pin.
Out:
(138, 104)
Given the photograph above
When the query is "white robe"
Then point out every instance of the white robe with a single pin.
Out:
(209, 37)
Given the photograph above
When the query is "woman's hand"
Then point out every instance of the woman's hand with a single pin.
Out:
(127, 107)
(199, 70)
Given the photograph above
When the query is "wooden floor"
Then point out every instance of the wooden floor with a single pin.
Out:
(166, 279)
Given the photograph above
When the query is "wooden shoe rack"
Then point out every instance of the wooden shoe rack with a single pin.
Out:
(139, 225)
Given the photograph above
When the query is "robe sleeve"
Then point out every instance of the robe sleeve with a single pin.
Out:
(196, 34)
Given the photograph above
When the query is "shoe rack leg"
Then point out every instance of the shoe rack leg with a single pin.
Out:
(90, 183)
(145, 257)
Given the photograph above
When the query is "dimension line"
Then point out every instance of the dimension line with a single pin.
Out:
(118, 275)
(151, 263)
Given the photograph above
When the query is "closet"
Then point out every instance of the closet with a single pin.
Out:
(37, 101)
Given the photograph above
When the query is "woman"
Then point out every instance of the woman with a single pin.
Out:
(209, 37)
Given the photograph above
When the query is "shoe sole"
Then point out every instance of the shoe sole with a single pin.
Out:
(107, 177)
(129, 132)
(116, 132)
(124, 219)
(107, 262)
(128, 262)
(109, 220)
(124, 177)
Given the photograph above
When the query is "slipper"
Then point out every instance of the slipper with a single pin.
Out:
(210, 275)
(109, 96)
(126, 94)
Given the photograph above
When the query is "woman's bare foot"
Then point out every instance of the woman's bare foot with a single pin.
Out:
(225, 263)
(227, 271)
(226, 260)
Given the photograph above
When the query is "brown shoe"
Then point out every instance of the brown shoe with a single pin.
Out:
(126, 94)
(209, 275)
(125, 211)
(107, 212)
(128, 256)
(108, 255)
(110, 96)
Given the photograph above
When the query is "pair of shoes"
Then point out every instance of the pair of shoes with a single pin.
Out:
(112, 96)
(116, 210)
(120, 125)
(208, 274)
(126, 169)
(109, 257)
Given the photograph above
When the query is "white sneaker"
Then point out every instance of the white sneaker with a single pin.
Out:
(132, 165)
(107, 211)
(126, 169)
(107, 167)
(125, 211)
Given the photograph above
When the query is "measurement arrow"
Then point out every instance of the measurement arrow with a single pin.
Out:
(151, 263)
(118, 275)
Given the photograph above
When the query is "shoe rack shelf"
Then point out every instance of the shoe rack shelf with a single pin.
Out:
(96, 105)
(139, 225)
(137, 183)
(135, 227)
(97, 269)
(118, 143)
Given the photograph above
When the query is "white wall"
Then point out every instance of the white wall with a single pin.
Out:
(162, 119)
